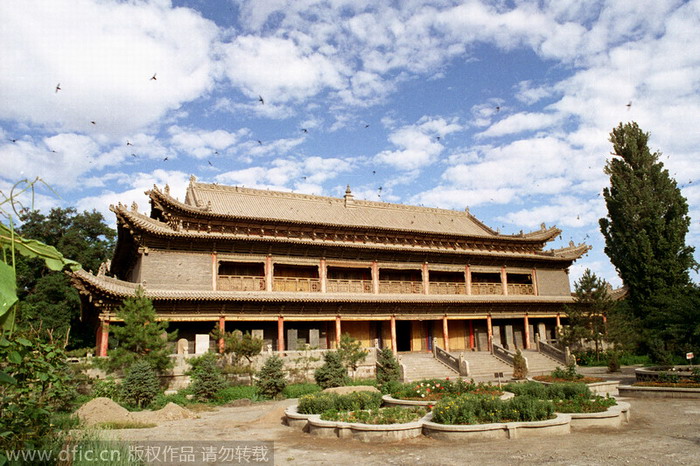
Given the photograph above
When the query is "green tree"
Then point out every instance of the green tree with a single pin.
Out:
(237, 346)
(141, 336)
(140, 385)
(388, 369)
(645, 234)
(351, 352)
(332, 373)
(271, 379)
(592, 305)
(206, 376)
(48, 296)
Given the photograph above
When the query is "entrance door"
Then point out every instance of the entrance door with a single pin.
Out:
(403, 335)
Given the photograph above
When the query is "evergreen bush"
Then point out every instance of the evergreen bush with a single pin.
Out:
(388, 369)
(206, 377)
(271, 379)
(519, 366)
(140, 385)
(332, 373)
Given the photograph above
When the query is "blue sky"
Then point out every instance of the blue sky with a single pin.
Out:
(504, 107)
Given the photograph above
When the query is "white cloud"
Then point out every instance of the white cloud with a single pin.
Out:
(200, 143)
(103, 54)
(521, 122)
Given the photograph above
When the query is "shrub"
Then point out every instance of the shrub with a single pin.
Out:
(321, 402)
(383, 416)
(470, 409)
(271, 379)
(351, 352)
(140, 385)
(332, 373)
(435, 389)
(388, 369)
(614, 362)
(107, 388)
(298, 390)
(180, 398)
(519, 366)
(206, 377)
(555, 391)
(236, 392)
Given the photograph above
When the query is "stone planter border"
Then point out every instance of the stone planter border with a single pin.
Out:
(658, 392)
(560, 425)
(614, 416)
(390, 401)
(364, 432)
(297, 420)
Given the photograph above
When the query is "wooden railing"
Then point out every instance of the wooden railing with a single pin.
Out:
(487, 288)
(520, 289)
(296, 284)
(240, 283)
(400, 287)
(335, 285)
(448, 288)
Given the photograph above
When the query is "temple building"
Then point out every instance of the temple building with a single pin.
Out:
(301, 269)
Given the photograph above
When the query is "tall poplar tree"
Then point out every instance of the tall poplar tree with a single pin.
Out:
(645, 234)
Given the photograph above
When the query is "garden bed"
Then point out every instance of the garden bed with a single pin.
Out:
(559, 425)
(605, 387)
(364, 432)
(390, 401)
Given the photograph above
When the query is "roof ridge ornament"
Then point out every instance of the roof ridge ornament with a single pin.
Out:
(349, 198)
(167, 189)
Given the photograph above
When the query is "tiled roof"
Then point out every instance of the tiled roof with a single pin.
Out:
(122, 289)
(234, 201)
(144, 223)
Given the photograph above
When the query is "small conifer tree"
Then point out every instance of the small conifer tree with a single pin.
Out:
(271, 378)
(332, 373)
(206, 377)
(140, 385)
(388, 369)
(519, 366)
(351, 352)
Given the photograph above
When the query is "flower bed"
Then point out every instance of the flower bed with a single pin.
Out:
(432, 390)
(390, 415)
(381, 431)
(560, 424)
(613, 416)
(567, 397)
(569, 374)
(470, 409)
(317, 403)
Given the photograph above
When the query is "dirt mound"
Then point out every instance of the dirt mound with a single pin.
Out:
(352, 389)
(169, 412)
(100, 410)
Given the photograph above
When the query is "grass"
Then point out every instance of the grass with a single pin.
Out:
(125, 425)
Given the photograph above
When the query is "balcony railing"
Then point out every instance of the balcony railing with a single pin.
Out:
(487, 288)
(334, 285)
(240, 283)
(520, 289)
(448, 288)
(296, 284)
(400, 287)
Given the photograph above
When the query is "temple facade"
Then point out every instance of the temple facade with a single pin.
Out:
(299, 269)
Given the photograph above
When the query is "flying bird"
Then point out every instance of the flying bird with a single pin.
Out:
(629, 105)
(153, 78)
(128, 143)
(366, 126)
(165, 159)
(498, 108)
(209, 163)
(133, 155)
(58, 87)
(261, 100)
(216, 152)
(259, 142)
(374, 172)
(304, 130)
(93, 122)
(438, 138)
(13, 140)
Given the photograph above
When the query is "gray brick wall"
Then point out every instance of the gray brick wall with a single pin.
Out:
(553, 283)
(176, 270)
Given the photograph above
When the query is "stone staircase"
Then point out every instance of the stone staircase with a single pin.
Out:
(482, 366)
(540, 364)
(424, 366)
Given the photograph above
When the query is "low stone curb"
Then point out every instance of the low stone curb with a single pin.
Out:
(560, 425)
(365, 432)
(613, 417)
(658, 392)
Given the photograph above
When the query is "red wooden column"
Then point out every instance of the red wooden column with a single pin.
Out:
(527, 332)
(489, 331)
(558, 321)
(337, 331)
(280, 333)
(375, 277)
(222, 329)
(323, 274)
(426, 278)
(468, 278)
(471, 334)
(268, 274)
(393, 334)
(103, 338)
(504, 280)
(445, 334)
(534, 283)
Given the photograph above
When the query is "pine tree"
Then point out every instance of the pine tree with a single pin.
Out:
(351, 352)
(593, 303)
(141, 337)
(140, 385)
(388, 369)
(271, 378)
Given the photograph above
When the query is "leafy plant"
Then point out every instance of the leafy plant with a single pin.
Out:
(471, 409)
(238, 346)
(107, 388)
(236, 392)
(271, 379)
(318, 403)
(381, 416)
(140, 385)
(298, 390)
(332, 373)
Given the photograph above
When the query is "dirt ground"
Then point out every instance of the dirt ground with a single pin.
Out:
(661, 431)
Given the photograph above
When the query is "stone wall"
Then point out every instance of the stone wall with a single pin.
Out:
(553, 283)
(177, 270)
